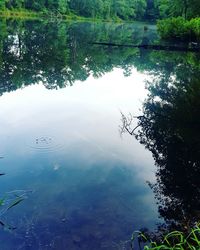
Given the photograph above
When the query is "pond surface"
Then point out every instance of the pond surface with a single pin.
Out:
(71, 180)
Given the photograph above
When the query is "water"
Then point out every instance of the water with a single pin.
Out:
(83, 185)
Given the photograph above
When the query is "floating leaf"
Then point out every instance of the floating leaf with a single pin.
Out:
(2, 202)
(16, 202)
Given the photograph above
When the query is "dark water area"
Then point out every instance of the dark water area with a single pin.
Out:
(71, 180)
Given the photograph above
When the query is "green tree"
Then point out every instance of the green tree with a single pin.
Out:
(2, 4)
(185, 8)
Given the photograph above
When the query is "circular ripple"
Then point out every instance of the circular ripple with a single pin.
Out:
(45, 143)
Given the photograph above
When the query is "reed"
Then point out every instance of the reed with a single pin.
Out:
(175, 240)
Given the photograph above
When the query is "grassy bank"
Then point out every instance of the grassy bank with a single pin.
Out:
(179, 28)
(20, 14)
(24, 14)
(175, 240)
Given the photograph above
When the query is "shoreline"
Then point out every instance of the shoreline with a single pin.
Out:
(31, 15)
(24, 14)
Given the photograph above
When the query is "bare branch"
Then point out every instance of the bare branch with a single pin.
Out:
(127, 124)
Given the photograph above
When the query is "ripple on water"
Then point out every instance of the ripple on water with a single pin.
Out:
(45, 144)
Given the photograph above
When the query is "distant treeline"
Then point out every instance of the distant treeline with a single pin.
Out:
(109, 9)
(104, 9)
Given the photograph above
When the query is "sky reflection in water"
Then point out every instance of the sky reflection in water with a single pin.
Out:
(89, 185)
(86, 186)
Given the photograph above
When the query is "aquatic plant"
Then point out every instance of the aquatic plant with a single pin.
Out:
(175, 240)
(10, 200)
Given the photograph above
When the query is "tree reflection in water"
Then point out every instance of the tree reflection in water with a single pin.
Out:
(59, 54)
(170, 129)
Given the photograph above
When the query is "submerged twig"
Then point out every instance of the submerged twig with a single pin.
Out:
(152, 46)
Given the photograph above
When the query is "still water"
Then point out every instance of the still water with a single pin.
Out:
(71, 180)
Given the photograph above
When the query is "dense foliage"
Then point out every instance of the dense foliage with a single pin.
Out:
(106, 9)
(180, 28)
(185, 8)
(184, 21)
